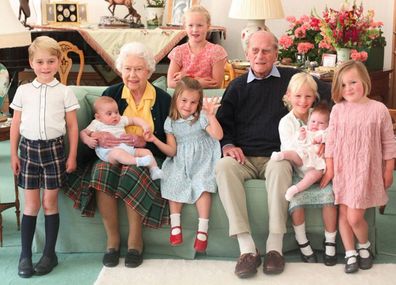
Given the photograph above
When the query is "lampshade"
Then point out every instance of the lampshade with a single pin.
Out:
(256, 12)
(12, 32)
(256, 9)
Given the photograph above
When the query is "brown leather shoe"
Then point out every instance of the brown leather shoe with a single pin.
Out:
(274, 262)
(247, 265)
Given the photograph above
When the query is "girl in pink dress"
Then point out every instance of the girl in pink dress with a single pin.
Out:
(197, 58)
(360, 152)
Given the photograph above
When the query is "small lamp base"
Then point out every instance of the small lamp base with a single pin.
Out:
(252, 27)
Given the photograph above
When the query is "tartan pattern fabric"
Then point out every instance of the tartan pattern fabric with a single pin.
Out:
(43, 164)
(130, 183)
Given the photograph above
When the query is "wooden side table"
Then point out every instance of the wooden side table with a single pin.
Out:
(5, 135)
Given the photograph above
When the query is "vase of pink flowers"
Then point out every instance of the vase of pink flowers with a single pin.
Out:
(349, 27)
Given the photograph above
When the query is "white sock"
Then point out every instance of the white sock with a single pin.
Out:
(203, 226)
(274, 242)
(277, 156)
(144, 160)
(175, 222)
(350, 253)
(155, 173)
(301, 238)
(363, 252)
(246, 243)
(330, 237)
(293, 190)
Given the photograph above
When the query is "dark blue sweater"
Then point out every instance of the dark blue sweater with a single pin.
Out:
(250, 112)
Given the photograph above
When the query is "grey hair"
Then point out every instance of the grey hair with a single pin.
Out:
(137, 49)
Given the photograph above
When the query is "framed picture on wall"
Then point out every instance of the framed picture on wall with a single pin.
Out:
(176, 9)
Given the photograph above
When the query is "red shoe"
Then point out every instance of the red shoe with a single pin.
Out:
(201, 245)
(176, 239)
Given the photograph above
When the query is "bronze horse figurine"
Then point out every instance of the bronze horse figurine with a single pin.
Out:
(25, 9)
(128, 3)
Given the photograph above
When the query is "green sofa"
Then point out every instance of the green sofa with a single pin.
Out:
(86, 234)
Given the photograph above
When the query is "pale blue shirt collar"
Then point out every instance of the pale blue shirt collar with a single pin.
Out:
(274, 72)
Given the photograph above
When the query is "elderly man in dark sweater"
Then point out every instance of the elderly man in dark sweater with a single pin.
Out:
(250, 112)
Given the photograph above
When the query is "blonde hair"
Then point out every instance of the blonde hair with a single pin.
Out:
(198, 9)
(186, 83)
(102, 100)
(336, 87)
(295, 84)
(47, 44)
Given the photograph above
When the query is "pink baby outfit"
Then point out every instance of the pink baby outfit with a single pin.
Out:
(360, 137)
(197, 65)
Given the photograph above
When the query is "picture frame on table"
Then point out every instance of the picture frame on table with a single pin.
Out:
(176, 10)
(329, 60)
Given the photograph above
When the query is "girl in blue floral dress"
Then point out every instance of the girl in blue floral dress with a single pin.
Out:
(192, 146)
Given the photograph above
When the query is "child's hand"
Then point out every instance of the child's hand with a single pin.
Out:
(71, 165)
(149, 136)
(177, 76)
(15, 164)
(210, 105)
(303, 133)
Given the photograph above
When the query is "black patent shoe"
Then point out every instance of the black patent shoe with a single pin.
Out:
(365, 263)
(133, 258)
(329, 260)
(307, 258)
(25, 267)
(111, 257)
(353, 267)
(45, 265)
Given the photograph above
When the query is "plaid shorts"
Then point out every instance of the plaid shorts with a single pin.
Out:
(43, 164)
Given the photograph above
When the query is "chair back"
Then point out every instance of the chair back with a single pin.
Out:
(229, 74)
(67, 62)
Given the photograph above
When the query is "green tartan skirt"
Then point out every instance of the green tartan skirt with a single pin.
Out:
(130, 183)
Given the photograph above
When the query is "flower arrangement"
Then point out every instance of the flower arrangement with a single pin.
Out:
(156, 3)
(349, 27)
(302, 37)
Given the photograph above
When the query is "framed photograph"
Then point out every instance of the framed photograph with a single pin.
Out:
(64, 12)
(329, 60)
(176, 9)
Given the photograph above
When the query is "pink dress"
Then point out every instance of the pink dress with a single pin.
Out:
(360, 137)
(198, 65)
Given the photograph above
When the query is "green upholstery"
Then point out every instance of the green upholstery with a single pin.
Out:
(82, 234)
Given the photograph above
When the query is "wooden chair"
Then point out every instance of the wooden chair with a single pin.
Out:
(392, 112)
(67, 62)
(229, 74)
(7, 205)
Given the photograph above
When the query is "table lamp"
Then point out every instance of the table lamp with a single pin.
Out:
(12, 34)
(256, 12)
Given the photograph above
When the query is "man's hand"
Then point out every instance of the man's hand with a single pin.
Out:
(234, 152)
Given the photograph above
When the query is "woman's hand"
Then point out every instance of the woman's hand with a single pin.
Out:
(234, 152)
(210, 105)
(132, 140)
